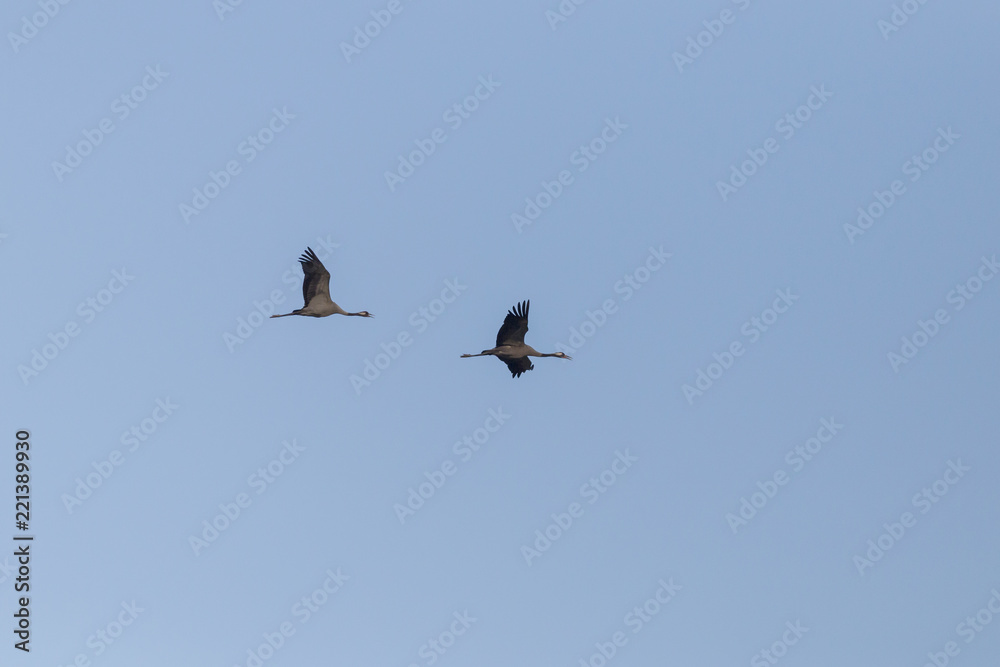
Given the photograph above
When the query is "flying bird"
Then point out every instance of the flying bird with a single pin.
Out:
(511, 348)
(316, 290)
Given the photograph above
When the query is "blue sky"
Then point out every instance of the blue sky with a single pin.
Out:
(765, 231)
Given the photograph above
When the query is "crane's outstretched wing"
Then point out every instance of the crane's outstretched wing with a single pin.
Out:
(316, 279)
(515, 325)
(518, 365)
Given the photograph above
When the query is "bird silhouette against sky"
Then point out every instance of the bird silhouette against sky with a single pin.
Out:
(316, 290)
(511, 348)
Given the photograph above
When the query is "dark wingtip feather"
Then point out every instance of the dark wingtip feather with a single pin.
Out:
(308, 256)
(520, 309)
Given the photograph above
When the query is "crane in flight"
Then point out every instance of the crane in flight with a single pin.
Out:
(511, 348)
(316, 290)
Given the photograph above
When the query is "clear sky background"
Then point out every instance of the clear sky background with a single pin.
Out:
(120, 300)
